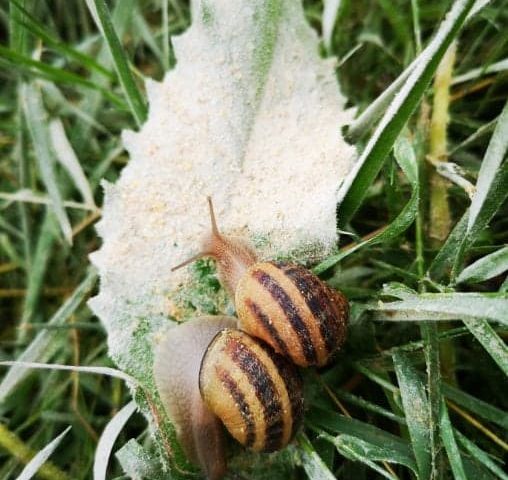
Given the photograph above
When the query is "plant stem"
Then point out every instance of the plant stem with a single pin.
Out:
(440, 218)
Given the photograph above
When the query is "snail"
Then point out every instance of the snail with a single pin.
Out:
(282, 303)
(205, 369)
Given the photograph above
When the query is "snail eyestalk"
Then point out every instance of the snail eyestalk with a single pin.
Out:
(215, 229)
(190, 260)
(233, 255)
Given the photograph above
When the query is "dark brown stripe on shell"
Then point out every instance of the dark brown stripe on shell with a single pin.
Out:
(265, 390)
(294, 386)
(319, 300)
(243, 407)
(291, 312)
(263, 319)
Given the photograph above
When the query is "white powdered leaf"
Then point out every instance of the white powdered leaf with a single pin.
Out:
(251, 116)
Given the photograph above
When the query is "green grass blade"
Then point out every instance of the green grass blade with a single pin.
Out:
(36, 273)
(362, 452)
(365, 452)
(443, 262)
(397, 20)
(486, 267)
(475, 405)
(93, 100)
(134, 99)
(54, 95)
(369, 406)
(339, 424)
(491, 192)
(143, 30)
(480, 455)
(416, 410)
(37, 121)
(406, 158)
(40, 458)
(43, 346)
(490, 341)
(452, 450)
(415, 9)
(17, 33)
(36, 28)
(475, 136)
(491, 182)
(432, 361)
(31, 66)
(476, 73)
(313, 464)
(67, 158)
(361, 125)
(443, 306)
(371, 160)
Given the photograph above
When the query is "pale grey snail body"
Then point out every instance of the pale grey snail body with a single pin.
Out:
(176, 371)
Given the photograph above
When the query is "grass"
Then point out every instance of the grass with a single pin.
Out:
(420, 390)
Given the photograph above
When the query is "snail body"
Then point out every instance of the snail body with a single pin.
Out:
(284, 304)
(177, 363)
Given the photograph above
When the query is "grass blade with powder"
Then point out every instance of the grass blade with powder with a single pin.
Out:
(313, 464)
(490, 340)
(443, 306)
(354, 188)
(40, 458)
(405, 156)
(37, 120)
(450, 444)
(101, 14)
(368, 453)
(108, 438)
(485, 268)
(417, 412)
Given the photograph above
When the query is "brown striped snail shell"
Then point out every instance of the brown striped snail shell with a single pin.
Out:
(290, 308)
(256, 392)
(177, 363)
(284, 304)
